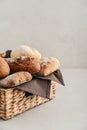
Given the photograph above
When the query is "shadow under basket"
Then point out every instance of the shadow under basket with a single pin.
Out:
(14, 101)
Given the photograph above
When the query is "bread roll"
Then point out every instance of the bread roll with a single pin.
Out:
(3, 54)
(16, 79)
(4, 68)
(24, 50)
(48, 65)
(24, 63)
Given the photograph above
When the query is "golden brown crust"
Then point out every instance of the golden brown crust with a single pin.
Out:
(3, 54)
(4, 68)
(24, 50)
(24, 64)
(16, 79)
(48, 65)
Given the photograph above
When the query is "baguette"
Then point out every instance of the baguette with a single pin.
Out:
(16, 79)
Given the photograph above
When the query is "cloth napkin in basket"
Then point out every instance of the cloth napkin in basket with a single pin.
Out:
(41, 85)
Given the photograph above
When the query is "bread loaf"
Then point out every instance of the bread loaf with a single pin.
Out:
(3, 54)
(16, 79)
(48, 65)
(4, 68)
(24, 50)
(24, 63)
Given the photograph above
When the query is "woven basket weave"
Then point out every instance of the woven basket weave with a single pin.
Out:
(14, 101)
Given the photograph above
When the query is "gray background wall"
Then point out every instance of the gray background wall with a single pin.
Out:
(55, 27)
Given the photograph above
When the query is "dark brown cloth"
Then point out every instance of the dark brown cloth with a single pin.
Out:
(37, 87)
(41, 85)
(55, 76)
(8, 53)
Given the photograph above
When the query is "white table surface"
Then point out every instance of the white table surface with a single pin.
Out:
(68, 111)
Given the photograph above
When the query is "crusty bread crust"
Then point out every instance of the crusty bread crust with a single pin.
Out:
(23, 63)
(24, 50)
(48, 65)
(4, 68)
(16, 79)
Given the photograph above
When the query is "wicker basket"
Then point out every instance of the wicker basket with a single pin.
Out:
(14, 101)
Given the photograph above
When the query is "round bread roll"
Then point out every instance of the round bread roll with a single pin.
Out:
(48, 66)
(24, 50)
(4, 68)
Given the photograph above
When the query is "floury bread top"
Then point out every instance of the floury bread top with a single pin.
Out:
(24, 50)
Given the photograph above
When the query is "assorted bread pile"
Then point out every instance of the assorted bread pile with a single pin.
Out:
(19, 65)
